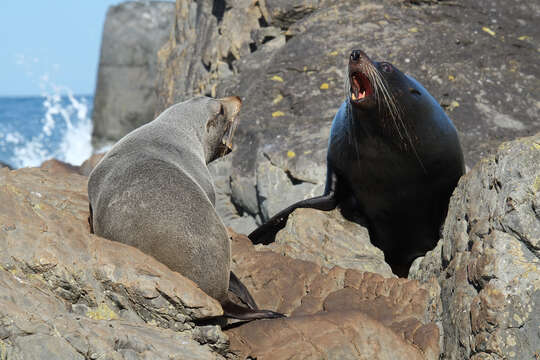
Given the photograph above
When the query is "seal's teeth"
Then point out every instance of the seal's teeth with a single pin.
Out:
(363, 94)
(353, 96)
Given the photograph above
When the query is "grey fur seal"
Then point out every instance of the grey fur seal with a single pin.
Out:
(393, 159)
(153, 190)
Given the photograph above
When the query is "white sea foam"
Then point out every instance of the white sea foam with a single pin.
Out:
(67, 119)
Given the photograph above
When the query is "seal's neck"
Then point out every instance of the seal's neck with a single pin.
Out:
(379, 123)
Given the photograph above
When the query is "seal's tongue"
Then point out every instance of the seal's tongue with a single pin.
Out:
(360, 86)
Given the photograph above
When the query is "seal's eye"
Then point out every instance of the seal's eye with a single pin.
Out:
(415, 92)
(386, 67)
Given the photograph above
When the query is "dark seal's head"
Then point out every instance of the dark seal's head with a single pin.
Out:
(381, 98)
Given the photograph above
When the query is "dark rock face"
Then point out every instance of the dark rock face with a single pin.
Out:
(125, 96)
(477, 58)
(487, 263)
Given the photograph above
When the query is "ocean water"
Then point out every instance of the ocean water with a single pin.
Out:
(54, 125)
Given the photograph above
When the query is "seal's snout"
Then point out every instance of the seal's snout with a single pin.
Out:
(231, 107)
(358, 57)
(360, 68)
(355, 55)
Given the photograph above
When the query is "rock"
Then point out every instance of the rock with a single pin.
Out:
(220, 171)
(70, 294)
(59, 167)
(488, 264)
(207, 36)
(329, 240)
(125, 96)
(338, 335)
(312, 295)
(276, 190)
(2, 165)
(89, 164)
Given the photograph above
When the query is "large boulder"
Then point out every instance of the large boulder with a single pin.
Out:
(125, 96)
(487, 263)
(67, 294)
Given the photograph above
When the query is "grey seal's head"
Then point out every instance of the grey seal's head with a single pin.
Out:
(213, 121)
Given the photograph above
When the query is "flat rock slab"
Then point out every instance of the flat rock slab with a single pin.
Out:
(339, 335)
(58, 280)
(304, 289)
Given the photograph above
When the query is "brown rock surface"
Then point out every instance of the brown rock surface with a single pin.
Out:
(60, 284)
(335, 335)
(306, 290)
(59, 167)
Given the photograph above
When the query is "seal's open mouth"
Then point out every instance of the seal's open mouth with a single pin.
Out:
(360, 87)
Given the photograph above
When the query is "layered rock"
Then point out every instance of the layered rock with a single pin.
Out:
(125, 96)
(67, 294)
(487, 264)
(334, 313)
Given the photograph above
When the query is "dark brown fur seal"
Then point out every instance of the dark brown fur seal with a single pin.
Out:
(394, 158)
(153, 190)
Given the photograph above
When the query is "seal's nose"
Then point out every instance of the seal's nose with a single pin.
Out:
(355, 55)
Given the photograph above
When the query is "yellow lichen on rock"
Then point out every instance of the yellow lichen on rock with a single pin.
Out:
(324, 86)
(488, 30)
(102, 312)
(276, 78)
(291, 154)
(278, 114)
(536, 185)
(277, 99)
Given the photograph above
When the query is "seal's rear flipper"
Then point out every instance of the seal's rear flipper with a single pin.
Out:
(266, 233)
(91, 219)
(234, 311)
(240, 290)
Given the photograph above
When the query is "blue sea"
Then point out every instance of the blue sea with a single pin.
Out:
(38, 128)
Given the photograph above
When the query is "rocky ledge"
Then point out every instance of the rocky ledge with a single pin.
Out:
(67, 294)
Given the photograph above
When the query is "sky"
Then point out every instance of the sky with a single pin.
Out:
(53, 40)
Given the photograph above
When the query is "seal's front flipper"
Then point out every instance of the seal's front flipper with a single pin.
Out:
(240, 290)
(234, 311)
(266, 233)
